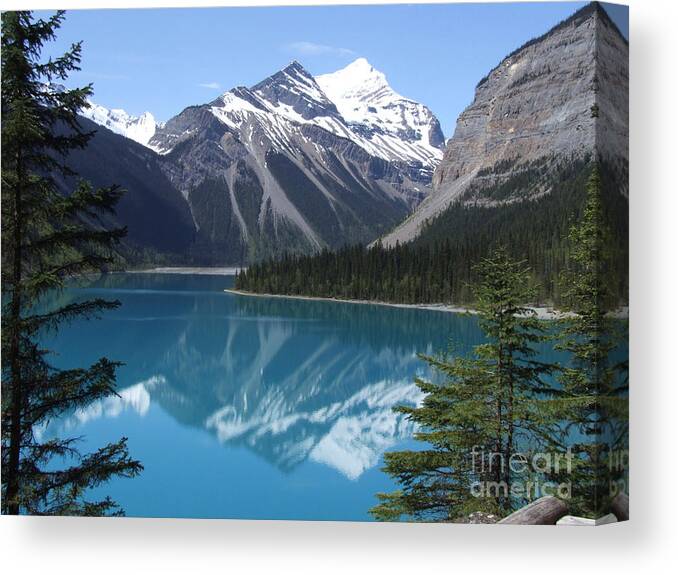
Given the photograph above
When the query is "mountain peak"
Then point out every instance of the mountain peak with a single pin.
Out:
(138, 128)
(295, 88)
(295, 68)
(364, 98)
(360, 64)
(293, 73)
(580, 19)
(359, 80)
(365, 66)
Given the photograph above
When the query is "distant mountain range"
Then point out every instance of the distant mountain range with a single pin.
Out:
(294, 163)
(298, 163)
(514, 174)
(138, 128)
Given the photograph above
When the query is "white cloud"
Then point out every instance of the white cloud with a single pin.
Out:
(313, 49)
(210, 85)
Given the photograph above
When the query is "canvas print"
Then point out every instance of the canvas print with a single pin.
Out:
(363, 263)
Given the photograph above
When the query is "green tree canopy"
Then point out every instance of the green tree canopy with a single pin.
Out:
(595, 382)
(46, 239)
(480, 423)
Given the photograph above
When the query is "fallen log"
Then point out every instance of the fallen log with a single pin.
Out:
(544, 511)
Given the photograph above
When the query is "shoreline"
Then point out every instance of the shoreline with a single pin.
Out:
(207, 271)
(543, 312)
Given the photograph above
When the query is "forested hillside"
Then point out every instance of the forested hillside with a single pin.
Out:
(437, 267)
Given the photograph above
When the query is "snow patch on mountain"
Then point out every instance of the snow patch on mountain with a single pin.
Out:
(395, 127)
(138, 128)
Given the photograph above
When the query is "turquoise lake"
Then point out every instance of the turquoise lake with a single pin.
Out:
(251, 407)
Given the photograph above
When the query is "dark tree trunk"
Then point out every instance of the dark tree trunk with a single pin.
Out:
(12, 503)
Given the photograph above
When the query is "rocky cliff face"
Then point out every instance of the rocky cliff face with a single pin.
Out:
(612, 98)
(559, 98)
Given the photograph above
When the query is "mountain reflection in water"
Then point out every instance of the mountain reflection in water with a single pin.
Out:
(292, 381)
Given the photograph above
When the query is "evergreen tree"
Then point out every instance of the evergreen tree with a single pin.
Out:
(47, 238)
(480, 423)
(594, 383)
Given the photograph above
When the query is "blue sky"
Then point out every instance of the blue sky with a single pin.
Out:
(163, 60)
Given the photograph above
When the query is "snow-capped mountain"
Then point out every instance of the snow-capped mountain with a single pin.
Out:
(138, 128)
(293, 163)
(277, 167)
(355, 102)
(389, 125)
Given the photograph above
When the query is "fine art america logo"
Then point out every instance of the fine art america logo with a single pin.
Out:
(535, 467)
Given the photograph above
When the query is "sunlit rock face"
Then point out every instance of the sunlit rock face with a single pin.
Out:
(559, 99)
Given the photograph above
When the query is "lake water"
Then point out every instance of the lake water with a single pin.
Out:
(249, 407)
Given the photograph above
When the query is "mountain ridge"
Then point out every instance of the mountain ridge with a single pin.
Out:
(546, 103)
(143, 128)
